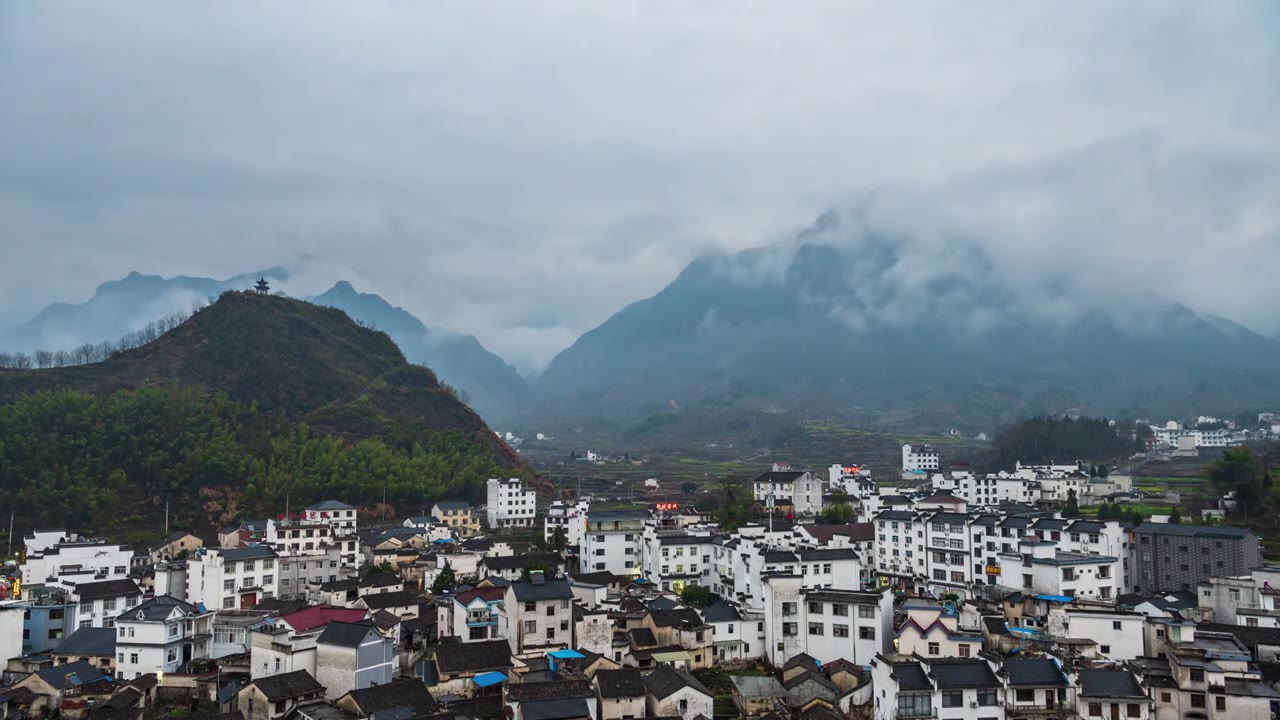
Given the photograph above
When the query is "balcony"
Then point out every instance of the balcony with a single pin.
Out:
(1014, 709)
(915, 714)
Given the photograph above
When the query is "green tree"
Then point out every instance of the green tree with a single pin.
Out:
(559, 540)
(1175, 516)
(689, 487)
(445, 580)
(1106, 511)
(1072, 509)
(697, 596)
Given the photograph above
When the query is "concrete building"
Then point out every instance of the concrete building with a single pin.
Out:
(827, 624)
(344, 528)
(232, 579)
(68, 560)
(161, 635)
(458, 516)
(916, 457)
(802, 491)
(537, 615)
(353, 656)
(510, 504)
(1169, 557)
(98, 603)
(612, 541)
(568, 518)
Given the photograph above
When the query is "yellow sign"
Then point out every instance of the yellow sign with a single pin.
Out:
(993, 569)
(17, 588)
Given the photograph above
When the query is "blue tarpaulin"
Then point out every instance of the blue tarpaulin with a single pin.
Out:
(567, 655)
(1056, 598)
(488, 679)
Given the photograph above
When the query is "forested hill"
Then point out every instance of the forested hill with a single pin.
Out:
(251, 398)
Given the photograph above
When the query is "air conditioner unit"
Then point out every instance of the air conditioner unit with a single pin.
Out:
(973, 703)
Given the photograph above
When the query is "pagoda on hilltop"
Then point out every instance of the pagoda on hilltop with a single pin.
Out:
(261, 287)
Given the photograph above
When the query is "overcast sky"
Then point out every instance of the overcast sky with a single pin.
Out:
(521, 170)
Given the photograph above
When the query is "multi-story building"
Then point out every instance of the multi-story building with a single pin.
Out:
(458, 516)
(800, 490)
(1111, 694)
(950, 549)
(232, 578)
(63, 560)
(1168, 557)
(98, 603)
(1248, 600)
(161, 635)
(674, 560)
(918, 689)
(510, 504)
(567, 518)
(827, 624)
(537, 615)
(289, 643)
(920, 458)
(343, 528)
(613, 541)
(1048, 570)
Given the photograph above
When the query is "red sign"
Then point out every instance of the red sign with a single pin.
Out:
(667, 506)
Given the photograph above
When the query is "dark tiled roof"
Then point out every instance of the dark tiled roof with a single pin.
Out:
(775, 476)
(288, 685)
(1039, 672)
(377, 580)
(967, 674)
(810, 676)
(667, 679)
(779, 556)
(88, 641)
(330, 505)
(400, 693)
(624, 683)
(804, 660)
(1250, 637)
(906, 515)
(604, 577)
(480, 656)
(106, 589)
(643, 637)
(248, 552)
(481, 708)
(720, 612)
(683, 618)
(610, 515)
(453, 505)
(1109, 683)
(828, 554)
(549, 590)
(520, 562)
(60, 676)
(345, 634)
(1209, 531)
(522, 692)
(154, 610)
(555, 709)
(399, 598)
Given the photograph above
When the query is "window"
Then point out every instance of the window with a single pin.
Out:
(1197, 700)
(940, 575)
(1233, 594)
(866, 611)
(133, 658)
(933, 648)
(866, 633)
(1115, 624)
(815, 608)
(963, 650)
(229, 584)
(1166, 697)
(841, 631)
(952, 698)
(788, 608)
(1219, 703)
(173, 631)
(1106, 649)
(986, 698)
(531, 607)
(1095, 709)
(815, 628)
(1025, 696)
(1197, 675)
(840, 609)
(914, 705)
(121, 633)
(788, 629)
(172, 656)
(530, 627)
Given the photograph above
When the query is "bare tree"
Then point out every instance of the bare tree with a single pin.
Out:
(44, 358)
(21, 361)
(6, 360)
(61, 358)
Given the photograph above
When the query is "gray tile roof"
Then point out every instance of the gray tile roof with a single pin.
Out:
(106, 589)
(549, 590)
(154, 610)
(288, 685)
(911, 676)
(88, 641)
(664, 681)
(400, 693)
(1109, 683)
(750, 686)
(454, 658)
(527, 691)
(1209, 531)
(558, 709)
(344, 634)
(248, 552)
(330, 505)
(624, 683)
(1038, 672)
(720, 612)
(966, 674)
(72, 673)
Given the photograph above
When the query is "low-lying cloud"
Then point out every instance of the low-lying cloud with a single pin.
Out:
(521, 172)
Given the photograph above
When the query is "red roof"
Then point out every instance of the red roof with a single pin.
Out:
(321, 615)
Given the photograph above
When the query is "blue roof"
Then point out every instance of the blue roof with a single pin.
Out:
(489, 678)
(1056, 598)
(567, 655)
(1024, 631)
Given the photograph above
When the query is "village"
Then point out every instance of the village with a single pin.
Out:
(943, 594)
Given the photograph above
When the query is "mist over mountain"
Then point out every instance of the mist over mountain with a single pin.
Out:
(932, 330)
(494, 388)
(117, 307)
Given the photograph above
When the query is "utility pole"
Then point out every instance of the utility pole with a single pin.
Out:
(166, 518)
(10, 553)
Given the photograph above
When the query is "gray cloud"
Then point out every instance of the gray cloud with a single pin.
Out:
(522, 171)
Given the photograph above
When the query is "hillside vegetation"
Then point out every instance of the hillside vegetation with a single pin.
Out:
(252, 398)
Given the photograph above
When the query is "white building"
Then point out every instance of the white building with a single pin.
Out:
(343, 528)
(537, 616)
(613, 541)
(827, 624)
(920, 458)
(98, 603)
(571, 518)
(673, 560)
(233, 578)
(1119, 633)
(69, 560)
(160, 636)
(952, 689)
(900, 546)
(801, 490)
(510, 504)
